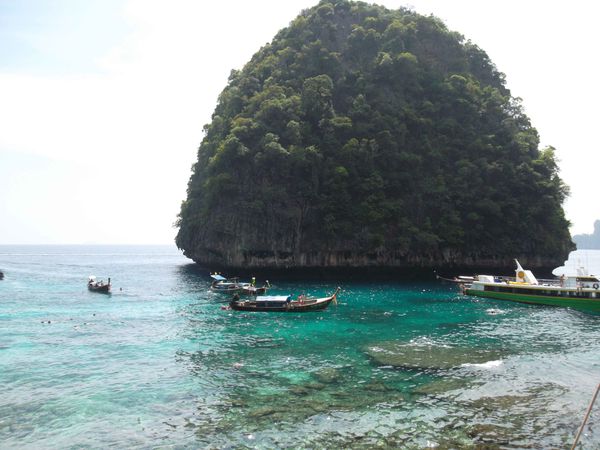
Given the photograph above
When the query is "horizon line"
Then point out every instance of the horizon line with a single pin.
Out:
(92, 243)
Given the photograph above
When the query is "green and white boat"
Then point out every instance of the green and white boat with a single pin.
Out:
(580, 291)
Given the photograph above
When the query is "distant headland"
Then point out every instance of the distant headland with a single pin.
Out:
(589, 241)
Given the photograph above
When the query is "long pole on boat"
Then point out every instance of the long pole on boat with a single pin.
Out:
(587, 415)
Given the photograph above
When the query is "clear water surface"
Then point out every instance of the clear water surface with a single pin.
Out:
(160, 363)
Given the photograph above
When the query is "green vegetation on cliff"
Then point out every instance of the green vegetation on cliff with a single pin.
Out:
(361, 136)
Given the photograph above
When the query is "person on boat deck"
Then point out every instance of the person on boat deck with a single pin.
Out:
(288, 300)
(562, 280)
(253, 281)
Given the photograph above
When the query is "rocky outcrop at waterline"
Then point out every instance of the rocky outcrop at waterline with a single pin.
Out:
(435, 357)
(225, 258)
(366, 137)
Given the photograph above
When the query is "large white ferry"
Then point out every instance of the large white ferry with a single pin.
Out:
(581, 291)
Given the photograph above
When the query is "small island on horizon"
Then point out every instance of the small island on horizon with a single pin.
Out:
(589, 241)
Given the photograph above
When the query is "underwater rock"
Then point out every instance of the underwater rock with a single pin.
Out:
(490, 434)
(376, 387)
(314, 385)
(263, 411)
(411, 356)
(441, 386)
(327, 375)
(300, 390)
(503, 402)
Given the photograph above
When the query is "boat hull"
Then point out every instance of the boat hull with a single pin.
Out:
(254, 290)
(105, 289)
(227, 290)
(584, 304)
(291, 307)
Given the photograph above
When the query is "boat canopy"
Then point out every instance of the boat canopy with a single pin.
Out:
(217, 277)
(274, 298)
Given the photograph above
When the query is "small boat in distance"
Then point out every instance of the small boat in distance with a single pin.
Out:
(1, 275)
(461, 279)
(234, 285)
(580, 291)
(98, 286)
(226, 285)
(283, 303)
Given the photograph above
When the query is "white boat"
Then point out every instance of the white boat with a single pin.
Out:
(580, 291)
(227, 285)
(234, 285)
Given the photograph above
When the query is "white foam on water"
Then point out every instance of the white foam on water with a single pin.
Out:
(485, 365)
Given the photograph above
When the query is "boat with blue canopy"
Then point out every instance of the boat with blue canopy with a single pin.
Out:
(283, 303)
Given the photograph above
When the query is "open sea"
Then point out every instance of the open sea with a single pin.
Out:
(160, 363)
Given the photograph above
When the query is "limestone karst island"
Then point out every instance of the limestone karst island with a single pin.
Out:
(368, 137)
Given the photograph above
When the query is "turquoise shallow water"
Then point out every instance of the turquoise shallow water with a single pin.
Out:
(161, 364)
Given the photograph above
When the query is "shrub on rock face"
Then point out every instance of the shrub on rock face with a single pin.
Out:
(363, 136)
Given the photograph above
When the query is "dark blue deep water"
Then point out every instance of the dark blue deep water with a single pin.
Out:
(160, 363)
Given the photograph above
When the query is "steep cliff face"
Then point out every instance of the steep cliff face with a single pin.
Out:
(239, 258)
(366, 137)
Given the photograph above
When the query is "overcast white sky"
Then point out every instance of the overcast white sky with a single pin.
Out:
(102, 102)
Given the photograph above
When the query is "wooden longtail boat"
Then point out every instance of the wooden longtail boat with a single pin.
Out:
(581, 291)
(98, 286)
(283, 303)
(234, 285)
(462, 279)
(253, 290)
